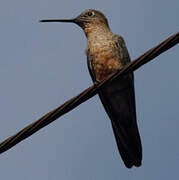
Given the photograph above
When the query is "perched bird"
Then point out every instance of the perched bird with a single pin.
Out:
(106, 52)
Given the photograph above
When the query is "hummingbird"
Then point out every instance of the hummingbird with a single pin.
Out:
(107, 52)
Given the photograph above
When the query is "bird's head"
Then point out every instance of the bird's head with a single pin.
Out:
(87, 20)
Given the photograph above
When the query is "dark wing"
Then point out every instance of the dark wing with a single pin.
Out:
(118, 99)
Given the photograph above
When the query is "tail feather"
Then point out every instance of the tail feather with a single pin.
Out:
(118, 99)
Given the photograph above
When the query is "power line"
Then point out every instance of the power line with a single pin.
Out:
(87, 94)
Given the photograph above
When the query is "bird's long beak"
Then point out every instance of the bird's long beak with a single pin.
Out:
(80, 22)
(59, 20)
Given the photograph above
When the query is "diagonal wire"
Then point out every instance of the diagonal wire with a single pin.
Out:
(87, 94)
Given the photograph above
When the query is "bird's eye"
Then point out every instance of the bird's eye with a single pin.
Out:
(90, 13)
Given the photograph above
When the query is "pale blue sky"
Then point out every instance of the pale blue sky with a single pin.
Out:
(43, 65)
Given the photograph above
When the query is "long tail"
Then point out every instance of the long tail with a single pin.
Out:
(118, 99)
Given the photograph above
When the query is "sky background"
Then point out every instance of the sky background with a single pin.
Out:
(43, 65)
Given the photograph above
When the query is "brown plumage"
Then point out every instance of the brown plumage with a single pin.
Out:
(107, 52)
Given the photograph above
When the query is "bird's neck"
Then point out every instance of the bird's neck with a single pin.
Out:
(98, 37)
(97, 29)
